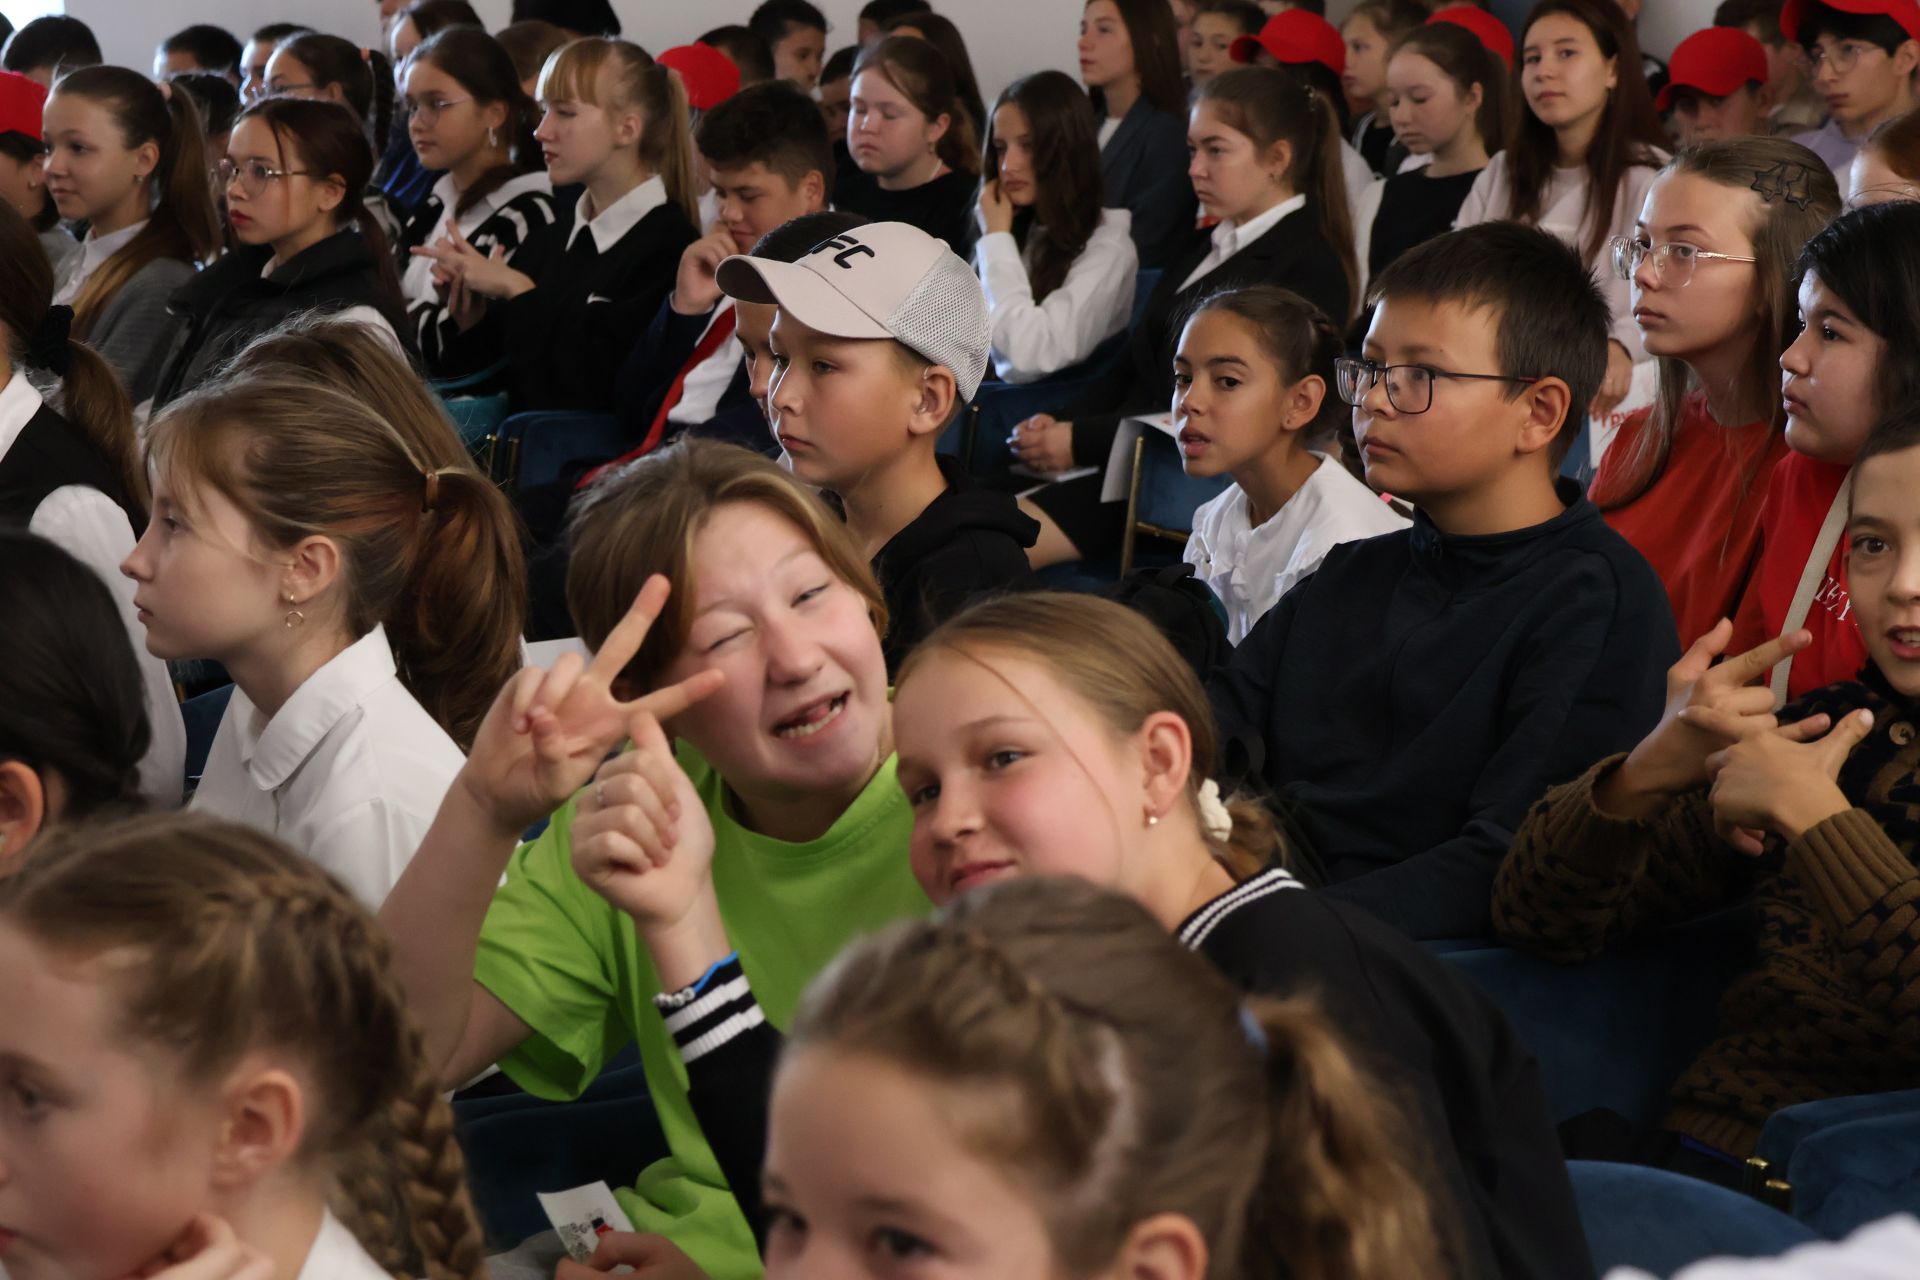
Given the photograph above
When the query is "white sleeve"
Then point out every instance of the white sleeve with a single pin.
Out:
(367, 847)
(1478, 206)
(371, 317)
(91, 527)
(1033, 339)
(1365, 210)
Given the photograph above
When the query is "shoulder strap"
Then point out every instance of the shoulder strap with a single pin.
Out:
(1810, 575)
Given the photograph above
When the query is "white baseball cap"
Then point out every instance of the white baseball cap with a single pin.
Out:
(881, 280)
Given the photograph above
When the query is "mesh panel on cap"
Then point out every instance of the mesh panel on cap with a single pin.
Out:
(945, 320)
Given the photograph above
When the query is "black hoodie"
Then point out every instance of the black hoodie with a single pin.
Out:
(231, 303)
(969, 541)
(1419, 693)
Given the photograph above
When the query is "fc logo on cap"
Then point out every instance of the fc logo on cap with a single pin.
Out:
(848, 247)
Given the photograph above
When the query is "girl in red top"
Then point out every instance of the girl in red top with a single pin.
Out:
(1711, 261)
(1856, 361)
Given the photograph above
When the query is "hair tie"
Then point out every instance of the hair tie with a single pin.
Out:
(432, 497)
(48, 347)
(1215, 820)
(1255, 1033)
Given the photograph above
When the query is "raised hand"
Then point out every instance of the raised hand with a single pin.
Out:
(485, 275)
(652, 1257)
(695, 289)
(642, 839)
(1044, 443)
(995, 211)
(1783, 782)
(547, 731)
(208, 1250)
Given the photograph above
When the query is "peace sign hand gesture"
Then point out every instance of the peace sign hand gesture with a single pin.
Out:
(547, 731)
(1784, 782)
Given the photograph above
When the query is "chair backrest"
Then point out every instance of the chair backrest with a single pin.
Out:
(1162, 497)
(1660, 1221)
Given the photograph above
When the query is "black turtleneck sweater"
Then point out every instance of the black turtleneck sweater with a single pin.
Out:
(1411, 700)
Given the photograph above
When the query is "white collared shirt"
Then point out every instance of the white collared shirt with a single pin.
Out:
(91, 527)
(1033, 339)
(337, 1254)
(416, 282)
(349, 772)
(1229, 239)
(618, 218)
(1251, 568)
(94, 250)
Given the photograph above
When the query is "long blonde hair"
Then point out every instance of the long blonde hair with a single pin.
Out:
(226, 943)
(1128, 1079)
(572, 72)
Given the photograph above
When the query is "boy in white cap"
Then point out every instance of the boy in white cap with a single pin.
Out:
(880, 338)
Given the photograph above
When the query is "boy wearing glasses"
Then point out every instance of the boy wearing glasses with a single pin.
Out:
(1864, 53)
(1412, 699)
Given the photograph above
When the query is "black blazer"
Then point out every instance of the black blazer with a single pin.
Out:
(1143, 169)
(1292, 254)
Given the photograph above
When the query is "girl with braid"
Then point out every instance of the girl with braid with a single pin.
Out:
(205, 1059)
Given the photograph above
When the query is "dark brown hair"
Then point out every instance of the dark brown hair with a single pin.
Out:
(92, 398)
(923, 77)
(1118, 1076)
(1778, 229)
(1066, 169)
(217, 942)
(1897, 142)
(184, 225)
(365, 77)
(324, 138)
(476, 62)
(1870, 259)
(1465, 61)
(1298, 337)
(1629, 131)
(939, 31)
(1269, 106)
(530, 44)
(21, 149)
(1156, 55)
(429, 547)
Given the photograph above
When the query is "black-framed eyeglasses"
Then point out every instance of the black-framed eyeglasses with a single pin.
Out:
(253, 175)
(1409, 386)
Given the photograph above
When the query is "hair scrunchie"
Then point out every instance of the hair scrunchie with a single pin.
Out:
(1215, 820)
(48, 347)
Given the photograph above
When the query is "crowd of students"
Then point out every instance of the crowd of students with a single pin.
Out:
(1559, 582)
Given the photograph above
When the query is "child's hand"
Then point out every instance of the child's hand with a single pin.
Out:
(208, 1250)
(1614, 385)
(642, 839)
(1784, 782)
(1708, 708)
(486, 275)
(1044, 443)
(695, 290)
(996, 211)
(654, 1257)
(548, 730)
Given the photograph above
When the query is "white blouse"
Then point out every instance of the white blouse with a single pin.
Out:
(91, 527)
(1033, 339)
(94, 251)
(1563, 212)
(349, 772)
(337, 1254)
(1251, 568)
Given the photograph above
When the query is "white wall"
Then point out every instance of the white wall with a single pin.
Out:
(1007, 38)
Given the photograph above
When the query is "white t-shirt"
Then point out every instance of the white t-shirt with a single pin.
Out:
(349, 772)
(1251, 568)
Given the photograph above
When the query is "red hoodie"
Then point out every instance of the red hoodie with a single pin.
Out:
(1797, 500)
(1698, 525)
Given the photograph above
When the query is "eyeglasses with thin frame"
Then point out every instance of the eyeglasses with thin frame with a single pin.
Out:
(1409, 386)
(1841, 57)
(1673, 263)
(253, 175)
(428, 111)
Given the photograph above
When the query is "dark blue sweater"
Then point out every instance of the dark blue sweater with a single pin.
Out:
(1414, 698)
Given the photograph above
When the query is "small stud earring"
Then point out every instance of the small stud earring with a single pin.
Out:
(1153, 819)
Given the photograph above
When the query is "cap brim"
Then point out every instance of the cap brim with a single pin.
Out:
(799, 292)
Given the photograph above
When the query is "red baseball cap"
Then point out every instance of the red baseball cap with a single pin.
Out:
(1492, 32)
(1295, 36)
(709, 75)
(1904, 12)
(1715, 61)
(21, 102)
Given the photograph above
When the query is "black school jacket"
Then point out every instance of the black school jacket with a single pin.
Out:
(230, 303)
(1143, 169)
(968, 542)
(1292, 254)
(1415, 697)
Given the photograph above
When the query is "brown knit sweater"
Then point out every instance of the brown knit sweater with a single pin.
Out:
(1832, 1004)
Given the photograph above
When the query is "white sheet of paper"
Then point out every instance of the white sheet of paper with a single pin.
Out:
(1120, 457)
(582, 1215)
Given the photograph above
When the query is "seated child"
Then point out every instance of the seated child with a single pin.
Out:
(218, 1046)
(1415, 697)
(1864, 53)
(1252, 394)
(1805, 818)
(1853, 363)
(1716, 87)
(881, 336)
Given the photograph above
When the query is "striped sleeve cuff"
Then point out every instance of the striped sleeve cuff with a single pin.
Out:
(712, 1012)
